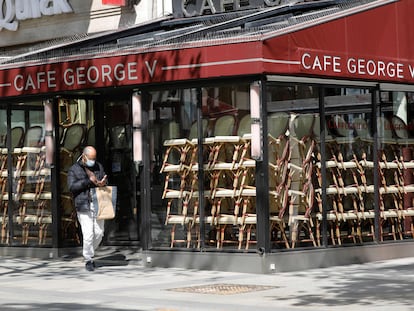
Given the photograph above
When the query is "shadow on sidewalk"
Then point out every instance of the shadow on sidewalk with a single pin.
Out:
(111, 260)
(362, 286)
(58, 307)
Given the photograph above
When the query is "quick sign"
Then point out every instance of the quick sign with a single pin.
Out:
(13, 11)
(190, 8)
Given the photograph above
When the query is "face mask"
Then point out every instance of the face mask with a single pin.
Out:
(89, 163)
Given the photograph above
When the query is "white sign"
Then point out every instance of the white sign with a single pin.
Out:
(12, 11)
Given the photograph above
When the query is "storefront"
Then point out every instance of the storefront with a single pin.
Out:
(251, 137)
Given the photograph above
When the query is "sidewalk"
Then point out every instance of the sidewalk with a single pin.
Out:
(121, 284)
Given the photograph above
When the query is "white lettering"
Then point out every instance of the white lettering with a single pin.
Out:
(305, 56)
(381, 69)
(90, 75)
(351, 65)
(106, 73)
(207, 5)
(323, 63)
(151, 70)
(12, 11)
(29, 83)
(7, 14)
(371, 67)
(51, 79)
(400, 71)
(80, 75)
(411, 71)
(68, 77)
(235, 3)
(119, 72)
(132, 69)
(40, 79)
(317, 64)
(18, 83)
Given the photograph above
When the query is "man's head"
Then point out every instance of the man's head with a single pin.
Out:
(89, 156)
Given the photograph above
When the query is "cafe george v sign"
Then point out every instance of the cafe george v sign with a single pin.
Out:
(191, 8)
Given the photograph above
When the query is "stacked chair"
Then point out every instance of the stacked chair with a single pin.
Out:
(295, 181)
(32, 188)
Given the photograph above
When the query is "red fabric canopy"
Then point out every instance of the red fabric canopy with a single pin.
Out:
(114, 2)
(370, 44)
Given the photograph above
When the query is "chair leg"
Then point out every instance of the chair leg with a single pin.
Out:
(189, 239)
(172, 236)
(249, 236)
(241, 236)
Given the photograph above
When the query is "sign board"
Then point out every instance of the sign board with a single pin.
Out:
(31, 21)
(191, 8)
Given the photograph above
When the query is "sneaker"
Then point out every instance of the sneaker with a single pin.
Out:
(90, 265)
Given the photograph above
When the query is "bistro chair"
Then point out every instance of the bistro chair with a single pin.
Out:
(69, 221)
(181, 216)
(279, 148)
(176, 165)
(221, 144)
(17, 136)
(72, 141)
(90, 136)
(303, 223)
(33, 137)
(332, 217)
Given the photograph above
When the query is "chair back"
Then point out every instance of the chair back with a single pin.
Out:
(384, 128)
(278, 123)
(399, 127)
(33, 136)
(244, 125)
(361, 128)
(224, 126)
(17, 134)
(194, 129)
(90, 137)
(74, 136)
(303, 125)
(170, 130)
(61, 134)
(341, 127)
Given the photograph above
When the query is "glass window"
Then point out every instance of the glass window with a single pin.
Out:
(350, 186)
(31, 189)
(395, 134)
(179, 197)
(293, 143)
(173, 155)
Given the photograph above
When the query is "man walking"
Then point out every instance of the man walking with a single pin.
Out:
(85, 174)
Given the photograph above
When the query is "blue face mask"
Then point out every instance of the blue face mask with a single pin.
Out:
(89, 163)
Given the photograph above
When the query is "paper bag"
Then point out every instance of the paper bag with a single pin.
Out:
(104, 201)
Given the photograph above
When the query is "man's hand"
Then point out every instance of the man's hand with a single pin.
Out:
(93, 179)
(102, 182)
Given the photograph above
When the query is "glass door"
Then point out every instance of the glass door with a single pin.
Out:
(119, 167)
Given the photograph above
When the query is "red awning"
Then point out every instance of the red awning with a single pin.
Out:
(114, 2)
(372, 44)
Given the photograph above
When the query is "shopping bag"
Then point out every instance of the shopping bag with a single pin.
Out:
(104, 201)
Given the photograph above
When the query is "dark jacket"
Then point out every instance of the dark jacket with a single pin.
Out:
(79, 184)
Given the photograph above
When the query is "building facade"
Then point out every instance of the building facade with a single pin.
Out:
(233, 130)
